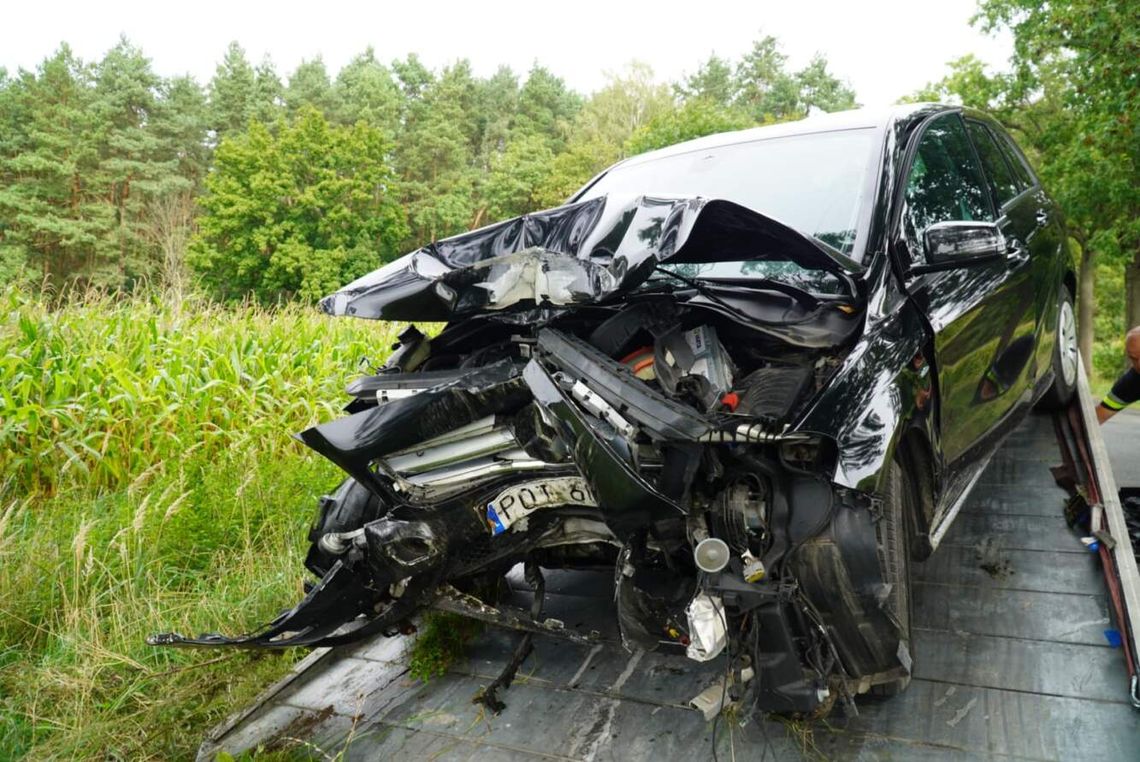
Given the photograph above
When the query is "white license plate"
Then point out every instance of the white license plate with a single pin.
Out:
(522, 500)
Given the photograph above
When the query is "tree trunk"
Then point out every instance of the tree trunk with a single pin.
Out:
(1132, 295)
(1086, 287)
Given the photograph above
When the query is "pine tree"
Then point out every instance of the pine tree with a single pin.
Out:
(546, 107)
(134, 168)
(365, 91)
(310, 86)
(714, 82)
(435, 159)
(52, 220)
(239, 93)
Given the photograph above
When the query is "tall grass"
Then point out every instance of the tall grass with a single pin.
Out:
(148, 481)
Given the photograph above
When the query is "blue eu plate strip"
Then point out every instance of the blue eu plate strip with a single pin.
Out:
(494, 520)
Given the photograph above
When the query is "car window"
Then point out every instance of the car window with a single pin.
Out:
(1005, 184)
(1016, 160)
(944, 182)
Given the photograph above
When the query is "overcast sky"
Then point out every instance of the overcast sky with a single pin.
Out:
(884, 48)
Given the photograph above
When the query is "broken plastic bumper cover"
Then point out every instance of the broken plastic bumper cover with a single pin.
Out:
(335, 611)
(350, 603)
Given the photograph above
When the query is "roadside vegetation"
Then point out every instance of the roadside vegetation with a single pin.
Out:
(150, 483)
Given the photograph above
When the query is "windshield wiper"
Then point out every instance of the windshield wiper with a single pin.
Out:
(709, 293)
(809, 300)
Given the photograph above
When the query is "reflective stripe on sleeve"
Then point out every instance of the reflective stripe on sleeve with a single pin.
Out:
(1112, 403)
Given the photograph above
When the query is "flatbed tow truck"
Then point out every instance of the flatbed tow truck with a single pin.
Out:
(1026, 646)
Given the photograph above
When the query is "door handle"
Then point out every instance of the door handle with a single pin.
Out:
(1015, 251)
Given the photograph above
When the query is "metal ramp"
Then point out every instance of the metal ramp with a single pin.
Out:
(1011, 661)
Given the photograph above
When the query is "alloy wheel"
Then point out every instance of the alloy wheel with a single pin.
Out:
(1067, 343)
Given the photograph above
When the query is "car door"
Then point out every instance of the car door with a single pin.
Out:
(1026, 215)
(1041, 219)
(980, 308)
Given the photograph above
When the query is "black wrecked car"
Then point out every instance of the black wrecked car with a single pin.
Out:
(756, 374)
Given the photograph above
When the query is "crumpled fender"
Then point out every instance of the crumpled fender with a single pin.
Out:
(887, 379)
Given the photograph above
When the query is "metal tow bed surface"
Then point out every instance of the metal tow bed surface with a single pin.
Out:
(1012, 659)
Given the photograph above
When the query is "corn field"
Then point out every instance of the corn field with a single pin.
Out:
(149, 481)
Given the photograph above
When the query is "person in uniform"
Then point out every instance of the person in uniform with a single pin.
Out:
(1126, 390)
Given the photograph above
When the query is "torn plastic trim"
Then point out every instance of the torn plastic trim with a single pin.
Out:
(599, 407)
(455, 602)
(370, 387)
(338, 609)
(659, 416)
(711, 700)
(624, 397)
(355, 441)
(631, 502)
(586, 252)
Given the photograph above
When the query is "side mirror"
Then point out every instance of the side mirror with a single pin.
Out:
(950, 242)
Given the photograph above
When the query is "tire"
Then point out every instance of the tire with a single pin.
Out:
(894, 536)
(350, 507)
(1066, 357)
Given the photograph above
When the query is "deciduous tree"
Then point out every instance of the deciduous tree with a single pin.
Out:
(298, 211)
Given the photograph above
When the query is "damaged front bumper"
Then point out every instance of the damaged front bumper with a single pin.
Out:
(562, 456)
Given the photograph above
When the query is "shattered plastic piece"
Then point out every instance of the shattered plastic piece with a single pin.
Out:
(708, 633)
(710, 701)
(599, 407)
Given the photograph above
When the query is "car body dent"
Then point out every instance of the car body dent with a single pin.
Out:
(884, 385)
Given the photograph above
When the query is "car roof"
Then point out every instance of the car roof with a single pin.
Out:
(854, 119)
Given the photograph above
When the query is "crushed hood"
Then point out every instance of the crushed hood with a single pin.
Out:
(579, 253)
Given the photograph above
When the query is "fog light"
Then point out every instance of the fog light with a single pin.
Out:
(711, 555)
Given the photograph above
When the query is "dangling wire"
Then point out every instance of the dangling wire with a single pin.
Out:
(727, 673)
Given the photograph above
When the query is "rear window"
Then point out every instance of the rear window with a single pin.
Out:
(1017, 161)
(812, 182)
(1006, 186)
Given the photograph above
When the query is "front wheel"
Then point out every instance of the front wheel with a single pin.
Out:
(1066, 355)
(894, 535)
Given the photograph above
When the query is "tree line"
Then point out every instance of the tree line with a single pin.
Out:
(268, 187)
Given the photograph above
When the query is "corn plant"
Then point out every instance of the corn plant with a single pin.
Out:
(149, 480)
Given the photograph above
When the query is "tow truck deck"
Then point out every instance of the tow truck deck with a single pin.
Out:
(1014, 656)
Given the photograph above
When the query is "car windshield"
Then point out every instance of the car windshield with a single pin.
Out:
(813, 182)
